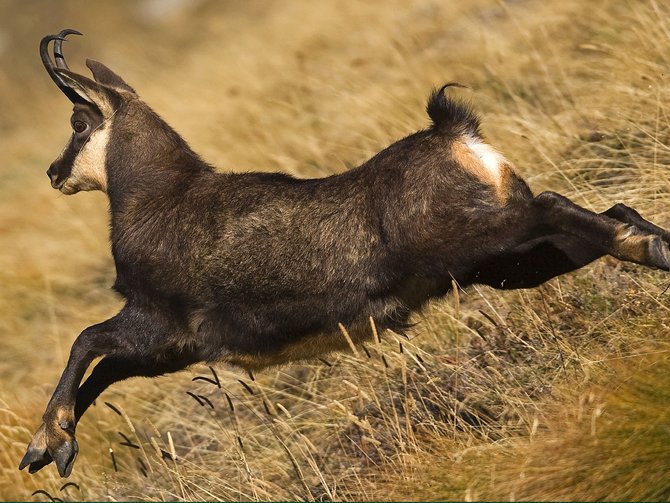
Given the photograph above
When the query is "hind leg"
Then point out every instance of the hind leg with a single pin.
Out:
(630, 216)
(552, 213)
(572, 237)
(536, 261)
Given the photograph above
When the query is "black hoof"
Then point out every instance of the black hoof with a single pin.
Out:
(37, 454)
(38, 465)
(36, 458)
(659, 253)
(64, 455)
(51, 444)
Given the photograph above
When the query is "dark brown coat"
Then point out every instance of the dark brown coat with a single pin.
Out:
(259, 269)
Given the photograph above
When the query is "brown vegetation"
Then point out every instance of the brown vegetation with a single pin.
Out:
(554, 393)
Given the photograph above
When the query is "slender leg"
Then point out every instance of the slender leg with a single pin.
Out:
(534, 262)
(55, 437)
(620, 231)
(558, 215)
(629, 215)
(131, 336)
(113, 369)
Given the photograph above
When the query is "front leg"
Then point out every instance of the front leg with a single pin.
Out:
(54, 439)
(137, 341)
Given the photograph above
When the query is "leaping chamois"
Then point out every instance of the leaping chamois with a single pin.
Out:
(258, 269)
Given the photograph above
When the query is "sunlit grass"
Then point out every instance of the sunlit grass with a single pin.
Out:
(554, 393)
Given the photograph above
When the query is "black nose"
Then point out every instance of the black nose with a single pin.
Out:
(52, 173)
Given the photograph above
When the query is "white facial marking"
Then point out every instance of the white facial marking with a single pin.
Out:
(88, 169)
(490, 158)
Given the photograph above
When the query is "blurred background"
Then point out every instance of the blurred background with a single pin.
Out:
(526, 395)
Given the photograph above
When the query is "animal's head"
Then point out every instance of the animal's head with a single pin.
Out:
(108, 119)
(81, 164)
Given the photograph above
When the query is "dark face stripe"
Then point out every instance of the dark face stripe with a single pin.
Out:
(62, 167)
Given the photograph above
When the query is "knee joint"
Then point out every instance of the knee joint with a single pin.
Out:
(549, 199)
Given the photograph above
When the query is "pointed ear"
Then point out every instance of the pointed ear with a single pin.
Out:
(105, 98)
(105, 76)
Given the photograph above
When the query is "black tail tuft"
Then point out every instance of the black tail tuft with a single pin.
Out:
(451, 117)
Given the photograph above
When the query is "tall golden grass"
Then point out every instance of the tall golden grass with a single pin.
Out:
(554, 393)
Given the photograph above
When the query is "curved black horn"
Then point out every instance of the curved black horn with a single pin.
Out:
(60, 61)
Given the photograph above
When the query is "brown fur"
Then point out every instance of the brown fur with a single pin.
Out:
(260, 269)
(630, 243)
(468, 160)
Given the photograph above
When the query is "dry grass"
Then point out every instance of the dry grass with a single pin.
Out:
(556, 393)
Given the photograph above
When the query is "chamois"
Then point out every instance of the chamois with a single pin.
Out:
(258, 269)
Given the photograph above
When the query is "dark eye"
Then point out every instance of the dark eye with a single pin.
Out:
(79, 126)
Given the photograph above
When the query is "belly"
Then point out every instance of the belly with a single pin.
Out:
(265, 335)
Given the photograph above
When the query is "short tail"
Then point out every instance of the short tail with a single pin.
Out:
(450, 117)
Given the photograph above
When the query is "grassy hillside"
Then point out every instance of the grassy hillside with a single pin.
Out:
(555, 393)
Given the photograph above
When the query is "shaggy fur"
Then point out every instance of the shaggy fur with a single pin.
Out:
(259, 269)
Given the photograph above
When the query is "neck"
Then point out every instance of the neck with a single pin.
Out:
(156, 170)
(161, 181)
(150, 162)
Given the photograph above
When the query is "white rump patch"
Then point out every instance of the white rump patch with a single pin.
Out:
(490, 158)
